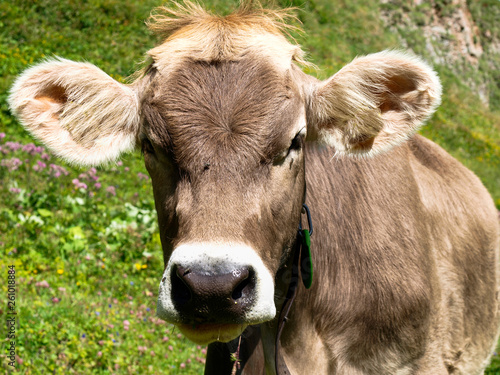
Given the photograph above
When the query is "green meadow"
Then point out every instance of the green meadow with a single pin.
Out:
(84, 243)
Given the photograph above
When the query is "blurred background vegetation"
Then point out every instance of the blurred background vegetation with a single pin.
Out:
(87, 263)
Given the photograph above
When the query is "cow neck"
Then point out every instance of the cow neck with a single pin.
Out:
(300, 246)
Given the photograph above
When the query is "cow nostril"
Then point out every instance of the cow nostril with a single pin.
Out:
(181, 292)
(226, 294)
(245, 286)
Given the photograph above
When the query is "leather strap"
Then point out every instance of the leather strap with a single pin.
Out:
(281, 368)
(280, 365)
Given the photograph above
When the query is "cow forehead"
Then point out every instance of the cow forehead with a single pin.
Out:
(207, 112)
(203, 46)
(208, 38)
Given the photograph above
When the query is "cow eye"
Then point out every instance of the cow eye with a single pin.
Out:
(295, 145)
(297, 141)
(147, 147)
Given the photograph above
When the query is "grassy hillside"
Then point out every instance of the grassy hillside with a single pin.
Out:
(87, 263)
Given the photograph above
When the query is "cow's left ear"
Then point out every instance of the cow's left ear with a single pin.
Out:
(82, 114)
(373, 103)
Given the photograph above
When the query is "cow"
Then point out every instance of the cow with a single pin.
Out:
(403, 239)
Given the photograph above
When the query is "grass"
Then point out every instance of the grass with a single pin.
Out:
(85, 243)
(86, 268)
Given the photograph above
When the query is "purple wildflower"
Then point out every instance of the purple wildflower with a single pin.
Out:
(42, 284)
(39, 165)
(78, 184)
(11, 164)
(142, 176)
(111, 190)
(57, 170)
(28, 147)
(32, 149)
(14, 146)
(91, 174)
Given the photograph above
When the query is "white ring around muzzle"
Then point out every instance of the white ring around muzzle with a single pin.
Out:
(219, 258)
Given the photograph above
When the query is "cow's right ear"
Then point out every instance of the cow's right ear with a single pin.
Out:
(82, 114)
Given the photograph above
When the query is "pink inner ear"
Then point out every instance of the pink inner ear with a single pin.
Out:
(53, 94)
(362, 143)
(397, 87)
(51, 99)
(401, 84)
(48, 105)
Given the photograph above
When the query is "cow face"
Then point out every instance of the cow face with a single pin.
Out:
(222, 115)
(223, 145)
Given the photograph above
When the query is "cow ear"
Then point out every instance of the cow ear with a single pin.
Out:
(373, 103)
(82, 114)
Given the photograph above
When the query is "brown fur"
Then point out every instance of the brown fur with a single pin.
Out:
(211, 133)
(400, 282)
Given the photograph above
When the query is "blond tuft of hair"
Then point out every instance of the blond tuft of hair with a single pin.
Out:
(166, 22)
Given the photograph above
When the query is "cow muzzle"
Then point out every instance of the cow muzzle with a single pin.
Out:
(212, 291)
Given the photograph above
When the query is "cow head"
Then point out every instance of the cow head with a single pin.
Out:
(222, 115)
